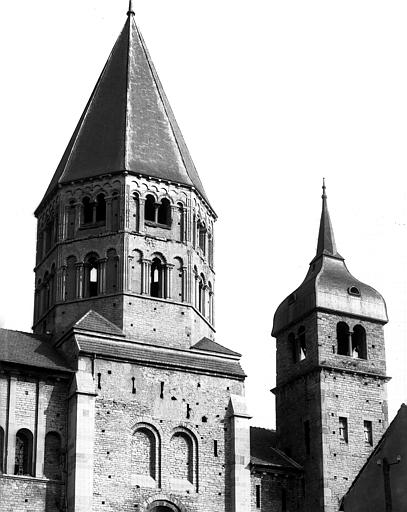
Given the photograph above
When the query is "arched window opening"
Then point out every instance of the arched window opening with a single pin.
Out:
(87, 210)
(136, 213)
(47, 292)
(70, 228)
(210, 250)
(201, 294)
(181, 222)
(342, 336)
(194, 229)
(100, 208)
(150, 208)
(144, 453)
(210, 302)
(292, 343)
(202, 237)
(182, 456)
(164, 212)
(48, 234)
(111, 271)
(157, 278)
(359, 342)
(70, 282)
(92, 276)
(2, 439)
(24, 447)
(302, 347)
(52, 456)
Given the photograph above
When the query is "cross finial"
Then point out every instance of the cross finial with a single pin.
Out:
(323, 189)
(131, 10)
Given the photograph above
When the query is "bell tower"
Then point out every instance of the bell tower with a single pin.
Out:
(331, 405)
(125, 227)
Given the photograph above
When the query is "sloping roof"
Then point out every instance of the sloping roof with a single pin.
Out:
(128, 124)
(263, 451)
(153, 355)
(95, 322)
(326, 239)
(211, 346)
(30, 350)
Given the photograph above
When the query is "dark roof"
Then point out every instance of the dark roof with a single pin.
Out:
(326, 239)
(264, 453)
(211, 346)
(128, 124)
(95, 322)
(146, 354)
(30, 350)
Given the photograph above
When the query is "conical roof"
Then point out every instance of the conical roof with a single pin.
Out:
(329, 286)
(128, 124)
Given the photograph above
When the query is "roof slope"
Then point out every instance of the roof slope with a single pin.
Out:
(30, 350)
(128, 124)
(263, 451)
(95, 322)
(211, 346)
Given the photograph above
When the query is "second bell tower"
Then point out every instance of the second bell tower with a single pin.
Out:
(330, 396)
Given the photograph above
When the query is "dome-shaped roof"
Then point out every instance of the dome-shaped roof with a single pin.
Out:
(329, 286)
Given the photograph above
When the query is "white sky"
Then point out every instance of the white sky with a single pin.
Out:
(270, 96)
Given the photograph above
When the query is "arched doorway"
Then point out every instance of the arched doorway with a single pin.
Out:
(162, 506)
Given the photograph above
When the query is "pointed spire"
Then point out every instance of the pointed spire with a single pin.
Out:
(131, 10)
(128, 124)
(326, 239)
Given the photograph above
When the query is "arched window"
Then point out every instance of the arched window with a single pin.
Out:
(149, 208)
(70, 221)
(302, 346)
(46, 287)
(342, 336)
(92, 276)
(144, 454)
(202, 236)
(181, 222)
(2, 439)
(136, 213)
(359, 342)
(70, 279)
(292, 343)
(87, 206)
(164, 212)
(100, 208)
(210, 302)
(157, 278)
(210, 249)
(201, 294)
(24, 448)
(182, 457)
(52, 456)
(111, 271)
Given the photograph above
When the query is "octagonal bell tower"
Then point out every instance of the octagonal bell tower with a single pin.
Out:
(125, 228)
(331, 404)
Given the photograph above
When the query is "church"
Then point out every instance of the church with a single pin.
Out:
(122, 399)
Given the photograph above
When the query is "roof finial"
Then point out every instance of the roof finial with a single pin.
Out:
(323, 189)
(131, 10)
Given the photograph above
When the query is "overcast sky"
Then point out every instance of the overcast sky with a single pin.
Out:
(270, 96)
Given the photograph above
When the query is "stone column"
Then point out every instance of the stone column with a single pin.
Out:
(40, 431)
(128, 271)
(239, 457)
(61, 284)
(168, 281)
(184, 284)
(78, 215)
(81, 434)
(145, 276)
(11, 429)
(196, 292)
(102, 276)
(140, 215)
(108, 200)
(211, 314)
(80, 281)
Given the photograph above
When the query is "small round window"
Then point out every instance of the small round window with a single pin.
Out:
(354, 290)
